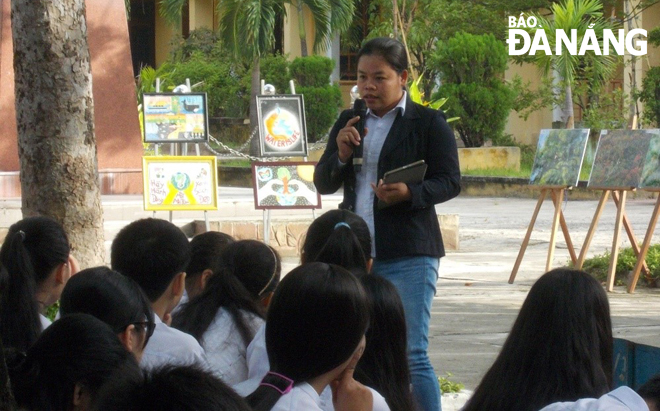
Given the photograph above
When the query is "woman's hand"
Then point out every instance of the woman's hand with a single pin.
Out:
(392, 193)
(348, 394)
(347, 138)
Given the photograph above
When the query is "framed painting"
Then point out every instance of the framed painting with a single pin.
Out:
(175, 118)
(284, 185)
(619, 159)
(282, 129)
(559, 156)
(180, 183)
(650, 179)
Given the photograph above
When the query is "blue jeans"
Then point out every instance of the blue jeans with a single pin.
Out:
(415, 278)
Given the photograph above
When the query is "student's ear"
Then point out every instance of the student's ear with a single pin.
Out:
(62, 273)
(179, 284)
(81, 399)
(127, 338)
(370, 263)
(74, 266)
(204, 278)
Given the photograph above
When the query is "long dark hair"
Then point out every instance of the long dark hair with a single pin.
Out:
(391, 50)
(559, 349)
(33, 248)
(384, 363)
(77, 349)
(109, 296)
(338, 237)
(317, 317)
(246, 271)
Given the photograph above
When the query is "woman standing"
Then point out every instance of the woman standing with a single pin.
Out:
(407, 241)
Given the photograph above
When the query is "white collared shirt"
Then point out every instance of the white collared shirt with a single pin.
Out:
(621, 399)
(372, 144)
(168, 345)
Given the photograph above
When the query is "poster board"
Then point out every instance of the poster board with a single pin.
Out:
(279, 185)
(175, 118)
(559, 156)
(650, 179)
(180, 183)
(619, 159)
(282, 127)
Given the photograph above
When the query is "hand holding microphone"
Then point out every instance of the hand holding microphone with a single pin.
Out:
(359, 109)
(349, 138)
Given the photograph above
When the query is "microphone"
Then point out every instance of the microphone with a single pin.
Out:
(359, 109)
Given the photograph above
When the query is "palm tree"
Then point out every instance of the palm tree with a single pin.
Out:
(247, 26)
(578, 15)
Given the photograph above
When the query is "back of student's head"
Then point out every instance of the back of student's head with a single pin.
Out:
(205, 249)
(76, 353)
(338, 237)
(650, 391)
(151, 252)
(316, 320)
(247, 271)
(384, 363)
(169, 388)
(33, 248)
(559, 349)
(113, 298)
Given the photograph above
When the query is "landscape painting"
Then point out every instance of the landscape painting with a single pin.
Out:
(650, 179)
(559, 156)
(619, 159)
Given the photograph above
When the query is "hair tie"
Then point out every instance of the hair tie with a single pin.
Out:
(273, 378)
(342, 224)
(21, 233)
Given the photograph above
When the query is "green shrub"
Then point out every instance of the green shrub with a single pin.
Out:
(321, 109)
(275, 70)
(312, 71)
(202, 40)
(599, 264)
(472, 68)
(650, 96)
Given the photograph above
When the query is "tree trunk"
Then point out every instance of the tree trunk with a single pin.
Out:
(568, 107)
(255, 146)
(55, 121)
(301, 30)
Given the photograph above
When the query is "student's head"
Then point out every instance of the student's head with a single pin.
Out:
(33, 270)
(205, 249)
(244, 279)
(384, 364)
(316, 321)
(68, 364)
(650, 391)
(154, 253)
(169, 388)
(114, 299)
(338, 237)
(559, 349)
(382, 73)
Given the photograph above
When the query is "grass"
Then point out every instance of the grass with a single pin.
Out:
(599, 264)
(235, 163)
(447, 386)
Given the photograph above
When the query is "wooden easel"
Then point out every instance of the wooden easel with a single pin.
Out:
(619, 196)
(557, 195)
(641, 256)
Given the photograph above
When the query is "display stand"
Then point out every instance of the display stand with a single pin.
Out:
(641, 256)
(557, 195)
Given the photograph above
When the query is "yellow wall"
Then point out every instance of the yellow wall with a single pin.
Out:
(291, 36)
(164, 34)
(201, 14)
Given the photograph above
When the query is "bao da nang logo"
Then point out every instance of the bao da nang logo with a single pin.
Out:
(613, 43)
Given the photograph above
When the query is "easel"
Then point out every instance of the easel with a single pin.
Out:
(174, 149)
(641, 256)
(619, 196)
(557, 195)
(266, 212)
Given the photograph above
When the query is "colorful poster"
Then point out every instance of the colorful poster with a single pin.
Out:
(559, 155)
(180, 183)
(282, 130)
(175, 118)
(619, 159)
(284, 185)
(650, 179)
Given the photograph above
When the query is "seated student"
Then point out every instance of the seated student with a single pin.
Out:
(621, 399)
(315, 335)
(232, 307)
(114, 299)
(67, 365)
(205, 249)
(169, 388)
(650, 392)
(155, 253)
(335, 237)
(384, 364)
(559, 349)
(35, 263)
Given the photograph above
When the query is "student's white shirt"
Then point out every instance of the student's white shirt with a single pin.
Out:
(259, 365)
(168, 345)
(225, 349)
(621, 399)
(45, 322)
